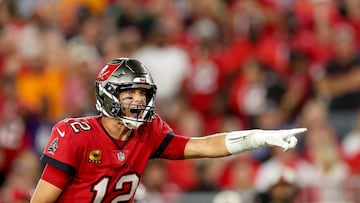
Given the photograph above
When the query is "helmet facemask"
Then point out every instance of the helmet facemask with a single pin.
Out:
(112, 107)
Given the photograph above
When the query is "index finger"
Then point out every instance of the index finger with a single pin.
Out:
(297, 130)
(292, 132)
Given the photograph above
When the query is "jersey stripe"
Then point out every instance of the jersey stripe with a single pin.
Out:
(168, 137)
(60, 165)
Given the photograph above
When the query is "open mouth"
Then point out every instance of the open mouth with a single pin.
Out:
(135, 112)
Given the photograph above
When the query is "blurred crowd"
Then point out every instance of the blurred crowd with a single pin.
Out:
(219, 65)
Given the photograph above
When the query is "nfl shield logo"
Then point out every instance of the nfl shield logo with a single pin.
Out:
(121, 156)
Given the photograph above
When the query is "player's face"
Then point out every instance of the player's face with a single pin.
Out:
(132, 100)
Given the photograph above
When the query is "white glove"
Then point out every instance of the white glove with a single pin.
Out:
(240, 141)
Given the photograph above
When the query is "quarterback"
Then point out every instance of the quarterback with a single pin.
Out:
(101, 158)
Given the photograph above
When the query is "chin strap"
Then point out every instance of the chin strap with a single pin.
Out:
(130, 123)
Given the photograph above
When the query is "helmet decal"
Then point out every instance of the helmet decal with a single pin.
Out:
(106, 71)
(141, 80)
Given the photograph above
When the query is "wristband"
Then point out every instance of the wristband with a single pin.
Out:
(240, 141)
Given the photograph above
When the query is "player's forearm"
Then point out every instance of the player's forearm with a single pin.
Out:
(207, 146)
(222, 144)
(45, 193)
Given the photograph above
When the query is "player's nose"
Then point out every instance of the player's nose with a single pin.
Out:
(139, 98)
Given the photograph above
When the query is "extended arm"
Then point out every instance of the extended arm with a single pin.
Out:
(225, 144)
(208, 146)
(48, 189)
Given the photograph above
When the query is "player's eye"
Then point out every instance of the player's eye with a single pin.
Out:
(126, 95)
(127, 98)
(142, 93)
(130, 94)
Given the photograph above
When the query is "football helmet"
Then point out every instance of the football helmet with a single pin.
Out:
(118, 75)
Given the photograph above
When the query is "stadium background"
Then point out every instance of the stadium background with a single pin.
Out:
(220, 65)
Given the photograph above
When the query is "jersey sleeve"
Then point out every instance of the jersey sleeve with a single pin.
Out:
(61, 149)
(170, 145)
(55, 176)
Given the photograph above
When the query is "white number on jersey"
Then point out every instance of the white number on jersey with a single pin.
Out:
(101, 187)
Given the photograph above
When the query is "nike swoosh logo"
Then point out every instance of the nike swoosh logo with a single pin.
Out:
(61, 133)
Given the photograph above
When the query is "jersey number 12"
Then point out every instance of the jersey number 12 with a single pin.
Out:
(101, 187)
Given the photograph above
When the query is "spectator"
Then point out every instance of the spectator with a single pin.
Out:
(239, 176)
(283, 188)
(340, 84)
(13, 135)
(329, 181)
(170, 73)
(227, 196)
(20, 182)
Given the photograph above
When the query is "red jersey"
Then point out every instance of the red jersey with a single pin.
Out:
(104, 169)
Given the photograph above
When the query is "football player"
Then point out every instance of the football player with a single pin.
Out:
(101, 158)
